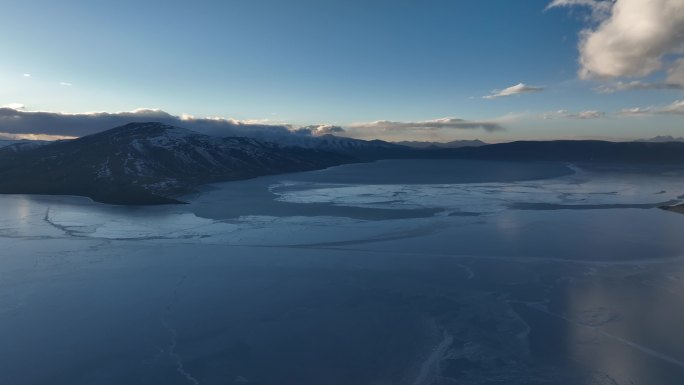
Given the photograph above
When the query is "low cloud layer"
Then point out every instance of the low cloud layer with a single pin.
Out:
(632, 39)
(520, 88)
(588, 114)
(18, 122)
(14, 119)
(429, 125)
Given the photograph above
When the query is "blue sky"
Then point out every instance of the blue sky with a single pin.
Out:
(348, 63)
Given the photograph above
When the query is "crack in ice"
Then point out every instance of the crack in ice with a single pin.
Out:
(430, 368)
(180, 366)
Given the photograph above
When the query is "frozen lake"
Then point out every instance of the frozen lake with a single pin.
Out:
(396, 272)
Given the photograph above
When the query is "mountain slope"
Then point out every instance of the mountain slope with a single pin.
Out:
(147, 163)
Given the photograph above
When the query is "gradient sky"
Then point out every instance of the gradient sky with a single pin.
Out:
(348, 63)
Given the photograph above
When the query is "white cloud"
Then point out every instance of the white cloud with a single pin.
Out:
(14, 106)
(429, 125)
(599, 8)
(636, 111)
(66, 84)
(634, 38)
(27, 75)
(520, 88)
(588, 114)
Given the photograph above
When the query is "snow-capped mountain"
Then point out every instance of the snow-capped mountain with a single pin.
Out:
(149, 163)
(362, 149)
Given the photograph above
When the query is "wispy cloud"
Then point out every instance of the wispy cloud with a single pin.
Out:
(520, 88)
(674, 108)
(588, 114)
(636, 111)
(66, 84)
(429, 125)
(599, 8)
(26, 75)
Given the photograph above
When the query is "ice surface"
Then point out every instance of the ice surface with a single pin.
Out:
(314, 278)
(579, 190)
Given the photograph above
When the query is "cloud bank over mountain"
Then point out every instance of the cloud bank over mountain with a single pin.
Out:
(19, 121)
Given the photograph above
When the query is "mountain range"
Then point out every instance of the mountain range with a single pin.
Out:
(154, 163)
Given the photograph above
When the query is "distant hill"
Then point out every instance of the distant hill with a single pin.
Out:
(593, 151)
(662, 139)
(452, 144)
